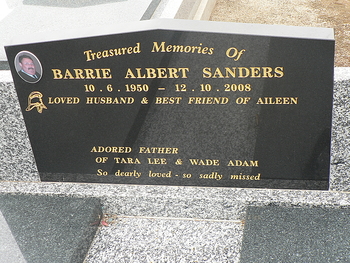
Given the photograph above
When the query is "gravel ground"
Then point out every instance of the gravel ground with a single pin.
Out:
(316, 13)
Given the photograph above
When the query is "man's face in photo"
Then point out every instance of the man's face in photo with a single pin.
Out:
(28, 66)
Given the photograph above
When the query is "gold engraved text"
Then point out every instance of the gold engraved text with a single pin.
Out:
(111, 149)
(243, 163)
(243, 72)
(134, 173)
(112, 52)
(168, 100)
(208, 100)
(207, 162)
(152, 73)
(157, 160)
(78, 73)
(152, 174)
(278, 100)
(127, 160)
(213, 175)
(109, 100)
(64, 100)
(245, 177)
(163, 47)
(159, 150)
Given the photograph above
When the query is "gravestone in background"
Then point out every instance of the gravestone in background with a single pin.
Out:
(242, 106)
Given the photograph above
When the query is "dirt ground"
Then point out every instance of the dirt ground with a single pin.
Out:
(316, 13)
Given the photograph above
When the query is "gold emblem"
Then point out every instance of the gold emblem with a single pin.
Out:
(35, 101)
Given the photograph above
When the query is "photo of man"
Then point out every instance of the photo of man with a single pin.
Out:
(27, 67)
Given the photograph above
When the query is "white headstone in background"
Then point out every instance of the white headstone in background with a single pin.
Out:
(39, 16)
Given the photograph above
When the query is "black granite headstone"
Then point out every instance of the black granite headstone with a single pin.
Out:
(51, 228)
(290, 234)
(164, 105)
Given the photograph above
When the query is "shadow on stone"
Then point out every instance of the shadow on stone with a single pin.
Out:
(51, 228)
(294, 234)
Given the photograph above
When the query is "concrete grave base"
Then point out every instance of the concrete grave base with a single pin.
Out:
(186, 224)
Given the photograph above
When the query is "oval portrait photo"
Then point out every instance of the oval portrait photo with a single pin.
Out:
(28, 67)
